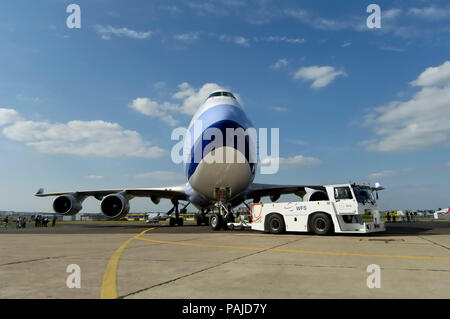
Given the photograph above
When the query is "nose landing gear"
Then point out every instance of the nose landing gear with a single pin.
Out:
(220, 220)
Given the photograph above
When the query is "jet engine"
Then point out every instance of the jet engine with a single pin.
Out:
(67, 205)
(115, 206)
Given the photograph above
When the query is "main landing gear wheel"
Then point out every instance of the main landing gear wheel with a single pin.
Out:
(176, 221)
(216, 222)
(202, 221)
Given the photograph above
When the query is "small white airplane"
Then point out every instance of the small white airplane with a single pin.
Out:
(442, 214)
(156, 217)
(210, 186)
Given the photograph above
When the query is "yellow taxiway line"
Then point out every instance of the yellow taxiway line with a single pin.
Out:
(288, 250)
(109, 284)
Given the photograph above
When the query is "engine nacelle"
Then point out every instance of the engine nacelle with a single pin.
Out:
(67, 205)
(115, 206)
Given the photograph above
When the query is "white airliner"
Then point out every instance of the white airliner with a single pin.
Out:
(211, 186)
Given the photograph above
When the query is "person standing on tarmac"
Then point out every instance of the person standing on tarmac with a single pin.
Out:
(6, 222)
(54, 221)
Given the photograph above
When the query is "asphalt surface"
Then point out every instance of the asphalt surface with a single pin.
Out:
(399, 228)
(150, 261)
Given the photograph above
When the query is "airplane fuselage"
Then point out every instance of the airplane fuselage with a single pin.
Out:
(207, 172)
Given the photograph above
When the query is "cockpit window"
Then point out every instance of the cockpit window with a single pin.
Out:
(215, 94)
(228, 94)
(221, 93)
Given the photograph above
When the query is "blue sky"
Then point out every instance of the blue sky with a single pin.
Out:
(352, 103)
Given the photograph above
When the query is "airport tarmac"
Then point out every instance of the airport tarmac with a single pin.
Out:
(151, 261)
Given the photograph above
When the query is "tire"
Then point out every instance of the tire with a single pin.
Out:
(172, 221)
(216, 222)
(321, 224)
(180, 221)
(199, 221)
(275, 224)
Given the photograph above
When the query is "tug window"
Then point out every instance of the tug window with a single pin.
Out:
(342, 193)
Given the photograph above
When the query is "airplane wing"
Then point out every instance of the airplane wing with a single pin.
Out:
(174, 192)
(257, 191)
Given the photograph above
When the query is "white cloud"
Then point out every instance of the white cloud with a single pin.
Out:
(434, 76)
(391, 23)
(152, 108)
(94, 177)
(239, 40)
(170, 8)
(160, 85)
(160, 176)
(297, 142)
(391, 14)
(382, 174)
(106, 32)
(83, 138)
(8, 116)
(189, 37)
(28, 99)
(430, 13)
(391, 48)
(418, 123)
(187, 100)
(279, 108)
(280, 39)
(346, 44)
(320, 76)
(318, 22)
(294, 161)
(279, 64)
(191, 99)
(298, 160)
